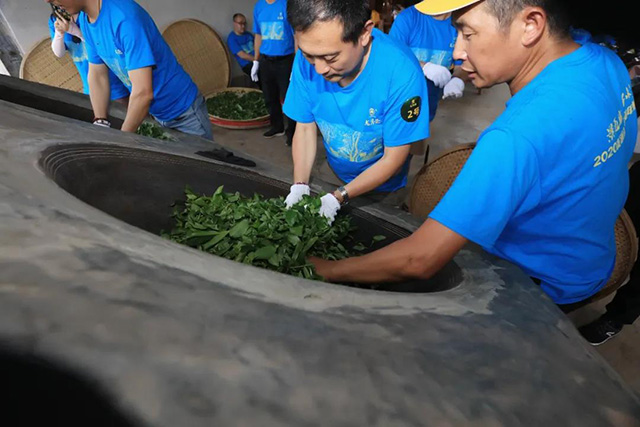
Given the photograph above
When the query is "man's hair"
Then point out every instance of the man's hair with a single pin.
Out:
(353, 14)
(557, 13)
(238, 15)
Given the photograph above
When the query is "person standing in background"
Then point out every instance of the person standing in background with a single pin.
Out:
(274, 53)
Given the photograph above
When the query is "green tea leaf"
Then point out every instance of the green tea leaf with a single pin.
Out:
(265, 252)
(262, 232)
(239, 229)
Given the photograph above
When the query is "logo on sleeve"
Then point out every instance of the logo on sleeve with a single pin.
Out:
(410, 110)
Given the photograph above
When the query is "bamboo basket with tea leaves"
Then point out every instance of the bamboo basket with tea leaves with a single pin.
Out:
(238, 108)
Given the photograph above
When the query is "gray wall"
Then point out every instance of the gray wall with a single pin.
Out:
(28, 18)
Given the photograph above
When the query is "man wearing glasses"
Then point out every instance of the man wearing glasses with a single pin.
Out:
(240, 42)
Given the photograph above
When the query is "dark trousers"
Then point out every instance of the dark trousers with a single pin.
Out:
(624, 309)
(275, 72)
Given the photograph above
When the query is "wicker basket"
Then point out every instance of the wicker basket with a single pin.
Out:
(258, 122)
(201, 52)
(40, 65)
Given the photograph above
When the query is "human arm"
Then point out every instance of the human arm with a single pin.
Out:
(418, 256)
(140, 98)
(257, 43)
(244, 55)
(256, 58)
(99, 89)
(57, 44)
(236, 48)
(304, 151)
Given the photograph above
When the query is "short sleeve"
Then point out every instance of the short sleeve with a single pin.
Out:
(136, 44)
(406, 119)
(492, 186)
(297, 104)
(234, 46)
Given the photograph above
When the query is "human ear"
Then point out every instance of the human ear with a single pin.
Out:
(365, 37)
(534, 23)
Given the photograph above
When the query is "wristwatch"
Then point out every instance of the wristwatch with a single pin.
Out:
(344, 194)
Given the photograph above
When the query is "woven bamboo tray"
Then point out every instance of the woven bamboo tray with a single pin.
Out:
(201, 52)
(40, 65)
(258, 122)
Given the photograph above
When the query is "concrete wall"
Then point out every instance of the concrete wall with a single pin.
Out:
(28, 18)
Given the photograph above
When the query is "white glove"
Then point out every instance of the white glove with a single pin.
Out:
(454, 89)
(254, 71)
(438, 74)
(330, 207)
(296, 193)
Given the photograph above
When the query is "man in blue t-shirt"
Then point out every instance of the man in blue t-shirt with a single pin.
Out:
(66, 37)
(431, 39)
(240, 42)
(548, 179)
(121, 37)
(363, 90)
(274, 51)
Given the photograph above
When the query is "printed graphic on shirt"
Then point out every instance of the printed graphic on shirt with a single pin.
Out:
(116, 65)
(435, 56)
(345, 143)
(273, 30)
(247, 47)
(617, 130)
(78, 52)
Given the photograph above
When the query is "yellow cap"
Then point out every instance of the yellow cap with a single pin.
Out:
(437, 7)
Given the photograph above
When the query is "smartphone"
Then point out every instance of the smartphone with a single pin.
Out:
(60, 12)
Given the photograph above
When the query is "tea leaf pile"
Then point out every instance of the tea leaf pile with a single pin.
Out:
(234, 106)
(262, 232)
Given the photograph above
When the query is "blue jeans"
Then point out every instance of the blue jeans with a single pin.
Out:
(194, 121)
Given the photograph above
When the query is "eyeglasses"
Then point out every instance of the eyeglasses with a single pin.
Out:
(241, 23)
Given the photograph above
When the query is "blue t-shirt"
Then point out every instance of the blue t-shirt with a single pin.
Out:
(382, 107)
(125, 38)
(548, 179)
(270, 21)
(78, 52)
(241, 43)
(431, 40)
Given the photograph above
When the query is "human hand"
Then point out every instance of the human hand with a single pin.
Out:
(254, 71)
(295, 194)
(330, 207)
(61, 25)
(322, 266)
(454, 89)
(438, 74)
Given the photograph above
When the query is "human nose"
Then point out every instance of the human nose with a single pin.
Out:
(459, 51)
(321, 66)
